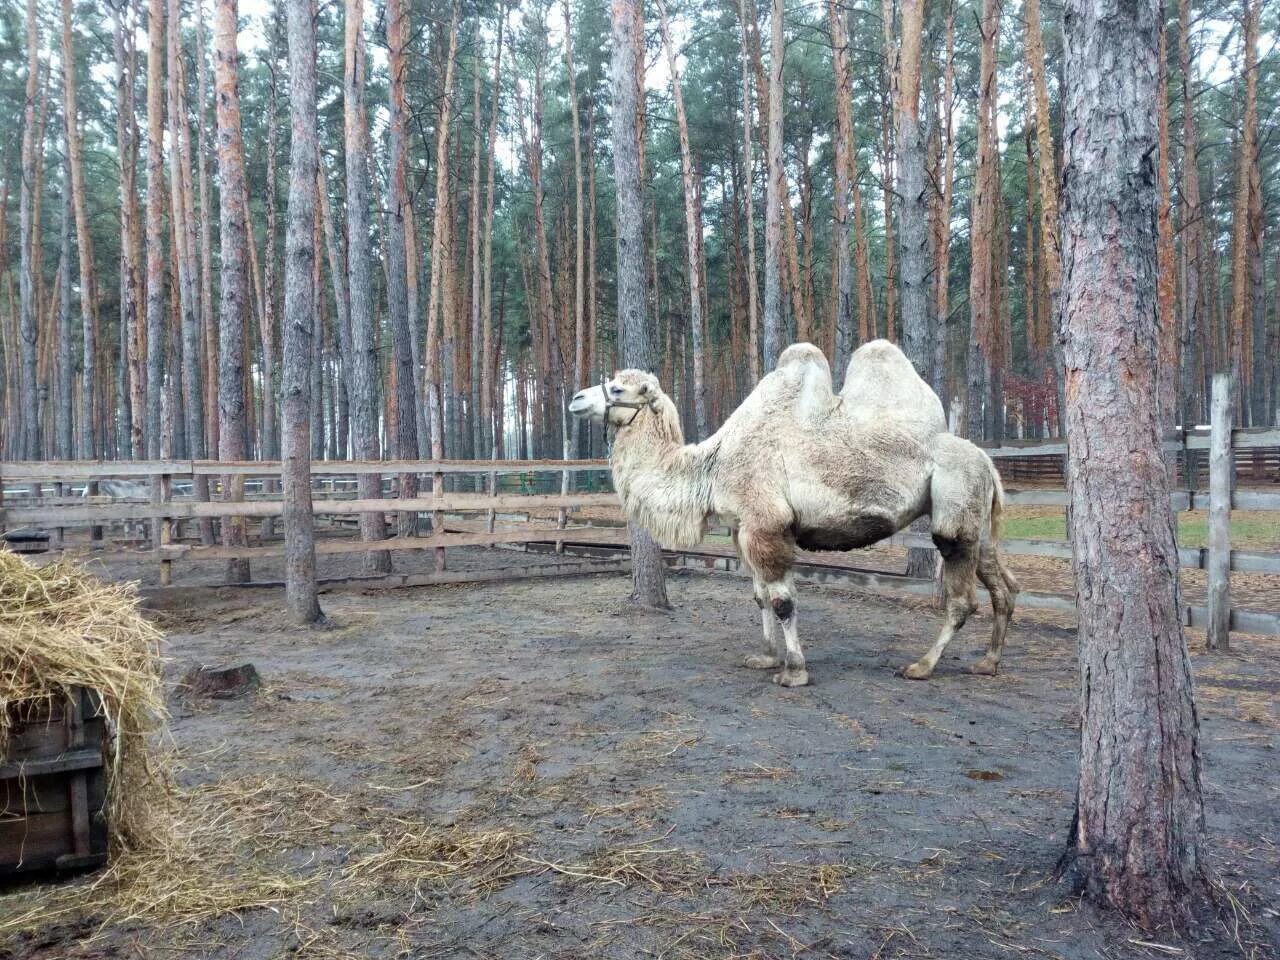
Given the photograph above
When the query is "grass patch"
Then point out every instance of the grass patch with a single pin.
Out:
(1250, 529)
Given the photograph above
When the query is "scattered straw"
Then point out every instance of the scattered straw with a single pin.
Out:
(62, 628)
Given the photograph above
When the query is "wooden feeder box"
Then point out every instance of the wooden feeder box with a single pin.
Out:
(52, 788)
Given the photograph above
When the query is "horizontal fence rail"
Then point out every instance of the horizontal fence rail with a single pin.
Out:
(161, 500)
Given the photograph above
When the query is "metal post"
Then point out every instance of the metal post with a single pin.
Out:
(1221, 464)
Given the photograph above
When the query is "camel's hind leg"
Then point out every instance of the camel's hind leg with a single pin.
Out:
(959, 561)
(772, 655)
(1003, 589)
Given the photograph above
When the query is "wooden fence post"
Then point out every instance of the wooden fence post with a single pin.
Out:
(162, 527)
(1221, 470)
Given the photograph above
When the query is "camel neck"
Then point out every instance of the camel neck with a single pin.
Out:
(661, 479)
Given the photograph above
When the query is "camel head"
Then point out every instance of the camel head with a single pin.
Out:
(618, 401)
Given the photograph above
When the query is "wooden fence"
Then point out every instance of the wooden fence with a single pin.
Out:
(38, 496)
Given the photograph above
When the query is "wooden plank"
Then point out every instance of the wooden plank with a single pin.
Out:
(321, 468)
(1217, 633)
(503, 575)
(434, 542)
(83, 758)
(91, 469)
(185, 509)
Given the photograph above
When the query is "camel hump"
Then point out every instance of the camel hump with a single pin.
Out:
(881, 382)
(807, 366)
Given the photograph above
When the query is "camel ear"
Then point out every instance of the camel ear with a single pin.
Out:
(644, 388)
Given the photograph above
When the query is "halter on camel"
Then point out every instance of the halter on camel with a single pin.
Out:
(637, 406)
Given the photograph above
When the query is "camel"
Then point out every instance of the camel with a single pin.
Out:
(800, 466)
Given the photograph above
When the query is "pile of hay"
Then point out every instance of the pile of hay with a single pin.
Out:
(61, 628)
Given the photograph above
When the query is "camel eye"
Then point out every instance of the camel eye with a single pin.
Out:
(616, 391)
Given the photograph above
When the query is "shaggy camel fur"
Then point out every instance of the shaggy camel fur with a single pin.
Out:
(797, 465)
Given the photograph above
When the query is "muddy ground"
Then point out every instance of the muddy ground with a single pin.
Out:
(532, 769)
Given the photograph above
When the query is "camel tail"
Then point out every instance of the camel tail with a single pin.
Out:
(997, 525)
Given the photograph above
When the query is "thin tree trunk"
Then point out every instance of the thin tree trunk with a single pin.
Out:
(1166, 308)
(487, 406)
(64, 446)
(89, 447)
(132, 330)
(1136, 843)
(634, 339)
(842, 259)
(364, 357)
(28, 424)
(207, 313)
(155, 225)
(234, 298)
(748, 178)
(188, 291)
(406, 393)
(942, 249)
(889, 97)
(773, 332)
(475, 268)
(1050, 249)
(692, 235)
(985, 326)
(1246, 183)
(299, 318)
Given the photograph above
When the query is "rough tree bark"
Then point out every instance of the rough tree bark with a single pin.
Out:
(748, 179)
(184, 265)
(132, 334)
(1194, 300)
(234, 296)
(487, 376)
(364, 357)
(155, 225)
(299, 313)
(1167, 371)
(842, 259)
(692, 234)
(1246, 183)
(64, 443)
(397, 248)
(985, 325)
(28, 423)
(1136, 843)
(635, 344)
(774, 197)
(207, 313)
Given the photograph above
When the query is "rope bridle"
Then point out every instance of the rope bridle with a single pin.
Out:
(634, 406)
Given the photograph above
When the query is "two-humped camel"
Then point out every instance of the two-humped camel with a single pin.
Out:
(797, 465)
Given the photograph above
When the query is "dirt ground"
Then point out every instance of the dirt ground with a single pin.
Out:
(533, 770)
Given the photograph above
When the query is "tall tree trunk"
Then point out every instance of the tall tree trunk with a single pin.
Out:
(913, 230)
(207, 313)
(748, 191)
(28, 423)
(580, 250)
(475, 269)
(364, 356)
(1050, 248)
(234, 299)
(184, 264)
(1136, 843)
(888, 98)
(1166, 307)
(155, 225)
(406, 392)
(299, 316)
(986, 326)
(942, 247)
(438, 253)
(842, 258)
(64, 443)
(89, 445)
(635, 342)
(132, 334)
(1246, 183)
(774, 198)
(1194, 302)
(487, 405)
(692, 235)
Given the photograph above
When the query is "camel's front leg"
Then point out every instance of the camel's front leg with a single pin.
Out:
(767, 552)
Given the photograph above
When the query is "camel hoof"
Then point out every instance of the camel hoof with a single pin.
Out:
(761, 661)
(986, 667)
(792, 678)
(918, 671)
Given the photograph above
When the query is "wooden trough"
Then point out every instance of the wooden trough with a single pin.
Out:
(52, 786)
